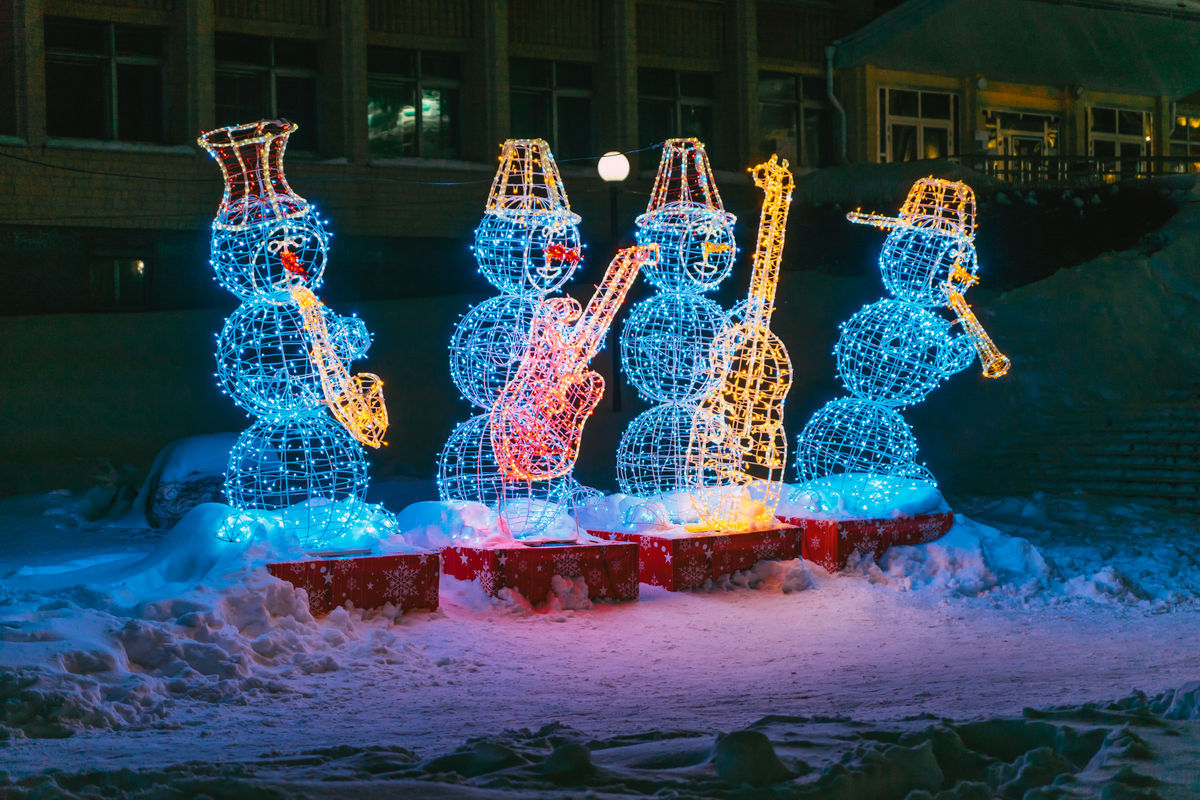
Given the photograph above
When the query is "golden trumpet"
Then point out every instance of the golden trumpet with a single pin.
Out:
(993, 361)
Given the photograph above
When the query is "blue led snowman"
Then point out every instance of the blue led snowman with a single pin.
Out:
(666, 344)
(268, 247)
(527, 246)
(893, 352)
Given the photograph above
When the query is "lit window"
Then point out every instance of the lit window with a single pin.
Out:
(413, 103)
(795, 118)
(1185, 140)
(104, 81)
(1118, 138)
(553, 101)
(675, 104)
(260, 77)
(916, 124)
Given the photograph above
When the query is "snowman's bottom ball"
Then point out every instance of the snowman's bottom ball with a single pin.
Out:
(278, 463)
(468, 470)
(652, 457)
(857, 436)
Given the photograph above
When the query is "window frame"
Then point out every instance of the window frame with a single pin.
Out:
(268, 73)
(111, 62)
(800, 105)
(887, 120)
(419, 82)
(554, 92)
(680, 100)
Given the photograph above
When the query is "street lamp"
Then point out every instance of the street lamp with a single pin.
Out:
(614, 168)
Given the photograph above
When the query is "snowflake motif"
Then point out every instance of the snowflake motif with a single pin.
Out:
(401, 583)
(814, 542)
(692, 574)
(568, 565)
(487, 580)
(765, 550)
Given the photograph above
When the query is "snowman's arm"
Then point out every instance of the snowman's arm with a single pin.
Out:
(348, 335)
(957, 355)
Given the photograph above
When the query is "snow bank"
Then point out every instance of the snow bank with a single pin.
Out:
(1138, 747)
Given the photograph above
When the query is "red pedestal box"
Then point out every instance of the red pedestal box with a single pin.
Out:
(676, 563)
(408, 580)
(610, 569)
(829, 542)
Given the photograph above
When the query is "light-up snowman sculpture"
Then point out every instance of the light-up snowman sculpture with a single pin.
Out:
(281, 355)
(666, 344)
(527, 246)
(893, 352)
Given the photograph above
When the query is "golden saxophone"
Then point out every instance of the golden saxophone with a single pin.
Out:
(993, 361)
(355, 400)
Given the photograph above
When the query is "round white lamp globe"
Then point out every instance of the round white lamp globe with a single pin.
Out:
(613, 166)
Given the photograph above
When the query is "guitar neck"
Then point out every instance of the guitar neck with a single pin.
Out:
(588, 331)
(776, 182)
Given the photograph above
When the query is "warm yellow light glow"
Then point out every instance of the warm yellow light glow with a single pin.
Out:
(738, 448)
(356, 400)
(993, 361)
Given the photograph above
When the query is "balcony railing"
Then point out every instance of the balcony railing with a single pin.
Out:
(1076, 170)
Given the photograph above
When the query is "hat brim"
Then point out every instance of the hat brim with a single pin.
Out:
(877, 220)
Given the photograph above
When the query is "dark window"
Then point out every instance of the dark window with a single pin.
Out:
(104, 81)
(795, 119)
(552, 100)
(413, 103)
(117, 284)
(675, 103)
(261, 77)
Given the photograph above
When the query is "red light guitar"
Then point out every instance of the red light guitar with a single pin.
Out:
(538, 420)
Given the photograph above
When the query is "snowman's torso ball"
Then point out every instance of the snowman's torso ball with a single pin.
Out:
(528, 252)
(468, 470)
(251, 260)
(264, 361)
(890, 352)
(666, 345)
(850, 436)
(277, 463)
(916, 263)
(696, 246)
(488, 344)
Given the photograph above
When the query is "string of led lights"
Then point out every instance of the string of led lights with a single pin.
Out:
(281, 354)
(893, 352)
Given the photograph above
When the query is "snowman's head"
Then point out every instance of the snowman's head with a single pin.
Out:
(916, 263)
(528, 252)
(696, 246)
(263, 260)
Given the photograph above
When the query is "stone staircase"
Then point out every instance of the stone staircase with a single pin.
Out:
(1150, 454)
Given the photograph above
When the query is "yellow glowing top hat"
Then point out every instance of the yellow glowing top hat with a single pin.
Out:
(528, 181)
(684, 176)
(932, 203)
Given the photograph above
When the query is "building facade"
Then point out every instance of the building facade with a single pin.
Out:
(402, 104)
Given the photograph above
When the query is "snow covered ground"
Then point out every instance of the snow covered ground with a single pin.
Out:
(183, 649)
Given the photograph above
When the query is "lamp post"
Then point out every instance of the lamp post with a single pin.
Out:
(614, 168)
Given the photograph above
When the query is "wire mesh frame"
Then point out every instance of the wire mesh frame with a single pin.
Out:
(528, 253)
(895, 353)
(652, 457)
(931, 204)
(666, 346)
(310, 458)
(852, 436)
(916, 264)
(468, 470)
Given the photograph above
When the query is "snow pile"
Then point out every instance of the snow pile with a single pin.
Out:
(1138, 747)
(115, 641)
(971, 560)
(857, 496)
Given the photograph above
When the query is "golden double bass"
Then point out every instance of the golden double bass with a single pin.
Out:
(738, 449)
